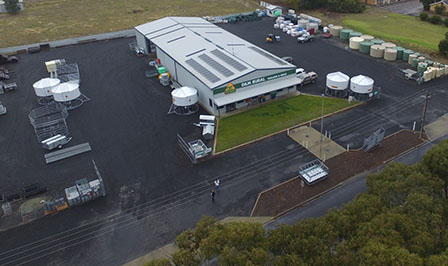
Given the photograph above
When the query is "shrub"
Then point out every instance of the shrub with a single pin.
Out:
(435, 19)
(440, 9)
(12, 6)
(424, 16)
(446, 22)
(443, 47)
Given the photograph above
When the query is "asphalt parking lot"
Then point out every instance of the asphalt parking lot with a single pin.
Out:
(134, 141)
(401, 101)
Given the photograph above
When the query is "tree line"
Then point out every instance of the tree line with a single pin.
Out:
(343, 6)
(400, 220)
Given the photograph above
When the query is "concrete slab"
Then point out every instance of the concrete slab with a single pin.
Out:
(309, 138)
(438, 128)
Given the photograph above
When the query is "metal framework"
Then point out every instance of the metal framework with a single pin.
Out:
(183, 110)
(49, 120)
(195, 149)
(373, 140)
(313, 172)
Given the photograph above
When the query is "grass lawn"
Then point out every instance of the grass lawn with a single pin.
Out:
(272, 117)
(48, 20)
(404, 30)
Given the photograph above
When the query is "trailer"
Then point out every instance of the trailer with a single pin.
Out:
(55, 142)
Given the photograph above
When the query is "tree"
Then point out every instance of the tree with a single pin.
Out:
(12, 6)
(294, 4)
(158, 262)
(426, 4)
(439, 9)
(443, 47)
(424, 16)
(346, 6)
(436, 19)
(436, 159)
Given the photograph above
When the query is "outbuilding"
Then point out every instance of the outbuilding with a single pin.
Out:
(228, 72)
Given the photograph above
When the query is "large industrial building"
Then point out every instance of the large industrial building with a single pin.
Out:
(228, 72)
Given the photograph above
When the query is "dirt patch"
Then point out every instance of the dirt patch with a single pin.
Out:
(288, 195)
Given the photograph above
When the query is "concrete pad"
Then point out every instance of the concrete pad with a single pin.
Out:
(309, 138)
(438, 128)
(163, 252)
(261, 219)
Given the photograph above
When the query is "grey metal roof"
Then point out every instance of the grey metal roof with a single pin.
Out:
(213, 55)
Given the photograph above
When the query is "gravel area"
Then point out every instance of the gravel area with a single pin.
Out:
(288, 195)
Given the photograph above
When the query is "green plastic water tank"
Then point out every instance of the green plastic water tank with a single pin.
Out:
(399, 52)
(406, 54)
(345, 34)
(429, 62)
(161, 70)
(355, 34)
(421, 68)
(377, 41)
(364, 47)
(414, 62)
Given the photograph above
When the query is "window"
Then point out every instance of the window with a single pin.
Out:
(210, 102)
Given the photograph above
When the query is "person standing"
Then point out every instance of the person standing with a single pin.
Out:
(213, 195)
(217, 184)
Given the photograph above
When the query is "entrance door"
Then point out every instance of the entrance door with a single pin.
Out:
(230, 107)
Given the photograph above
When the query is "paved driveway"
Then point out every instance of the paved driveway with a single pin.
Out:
(412, 8)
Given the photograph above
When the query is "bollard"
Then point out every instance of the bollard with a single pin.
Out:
(324, 157)
(303, 143)
(329, 135)
(306, 144)
(413, 126)
(348, 147)
(325, 133)
(287, 132)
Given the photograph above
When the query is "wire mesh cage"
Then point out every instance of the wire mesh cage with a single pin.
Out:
(44, 115)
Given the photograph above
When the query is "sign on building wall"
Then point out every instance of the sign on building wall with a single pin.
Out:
(233, 87)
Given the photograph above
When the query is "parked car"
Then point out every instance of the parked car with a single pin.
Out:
(288, 59)
(4, 59)
(309, 77)
(300, 72)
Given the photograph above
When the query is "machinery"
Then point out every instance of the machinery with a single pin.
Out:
(271, 38)
(4, 59)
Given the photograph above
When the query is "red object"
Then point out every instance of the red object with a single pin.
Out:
(158, 61)
(327, 35)
(311, 31)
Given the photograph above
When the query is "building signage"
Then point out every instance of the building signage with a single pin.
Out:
(233, 87)
(230, 88)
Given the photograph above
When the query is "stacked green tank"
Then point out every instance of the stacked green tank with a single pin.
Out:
(406, 54)
(399, 52)
(364, 47)
(345, 34)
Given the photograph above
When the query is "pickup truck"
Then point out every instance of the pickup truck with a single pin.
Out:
(305, 38)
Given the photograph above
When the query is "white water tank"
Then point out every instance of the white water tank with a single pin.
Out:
(43, 87)
(337, 81)
(184, 96)
(361, 84)
(66, 92)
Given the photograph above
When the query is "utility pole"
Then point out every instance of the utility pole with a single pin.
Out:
(321, 126)
(424, 115)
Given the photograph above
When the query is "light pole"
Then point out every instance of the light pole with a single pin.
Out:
(321, 126)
